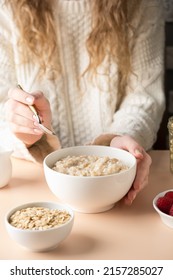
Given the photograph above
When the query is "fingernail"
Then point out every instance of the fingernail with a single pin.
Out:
(29, 100)
(138, 152)
(36, 124)
(37, 131)
(134, 196)
(34, 117)
(128, 201)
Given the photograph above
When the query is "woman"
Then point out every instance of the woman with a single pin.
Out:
(92, 69)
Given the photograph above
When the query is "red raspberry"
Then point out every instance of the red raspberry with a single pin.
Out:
(169, 195)
(171, 211)
(164, 204)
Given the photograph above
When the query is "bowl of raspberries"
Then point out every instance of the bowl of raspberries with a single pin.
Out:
(163, 204)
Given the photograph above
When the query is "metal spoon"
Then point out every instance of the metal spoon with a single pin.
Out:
(43, 128)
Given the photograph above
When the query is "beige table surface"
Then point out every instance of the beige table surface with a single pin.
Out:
(123, 233)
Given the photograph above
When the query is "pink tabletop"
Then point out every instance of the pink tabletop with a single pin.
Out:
(123, 233)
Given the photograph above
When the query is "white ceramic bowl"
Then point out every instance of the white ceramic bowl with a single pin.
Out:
(166, 219)
(40, 240)
(5, 166)
(90, 194)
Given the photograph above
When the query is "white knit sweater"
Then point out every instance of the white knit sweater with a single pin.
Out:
(80, 116)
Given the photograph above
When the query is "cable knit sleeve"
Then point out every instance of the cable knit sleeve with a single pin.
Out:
(142, 109)
(8, 79)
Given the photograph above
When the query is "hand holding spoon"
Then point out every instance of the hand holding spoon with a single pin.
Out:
(43, 128)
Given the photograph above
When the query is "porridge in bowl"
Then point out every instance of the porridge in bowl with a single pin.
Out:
(89, 165)
(96, 187)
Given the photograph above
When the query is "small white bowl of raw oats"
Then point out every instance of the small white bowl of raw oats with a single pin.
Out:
(39, 226)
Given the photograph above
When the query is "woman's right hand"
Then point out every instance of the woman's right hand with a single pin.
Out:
(20, 117)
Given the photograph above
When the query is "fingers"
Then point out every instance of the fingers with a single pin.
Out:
(130, 197)
(143, 164)
(36, 98)
(143, 168)
(21, 119)
(19, 129)
(14, 107)
(141, 179)
(21, 96)
(20, 124)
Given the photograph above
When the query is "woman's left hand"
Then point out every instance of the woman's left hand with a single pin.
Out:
(127, 143)
(143, 164)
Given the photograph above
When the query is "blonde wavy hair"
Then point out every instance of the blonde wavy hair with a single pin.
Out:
(109, 36)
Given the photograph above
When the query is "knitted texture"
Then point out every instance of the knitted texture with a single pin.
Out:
(83, 110)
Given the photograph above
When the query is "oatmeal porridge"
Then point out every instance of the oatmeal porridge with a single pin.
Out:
(84, 165)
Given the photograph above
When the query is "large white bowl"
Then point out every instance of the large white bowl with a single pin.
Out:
(40, 240)
(90, 194)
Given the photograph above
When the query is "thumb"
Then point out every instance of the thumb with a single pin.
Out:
(129, 144)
